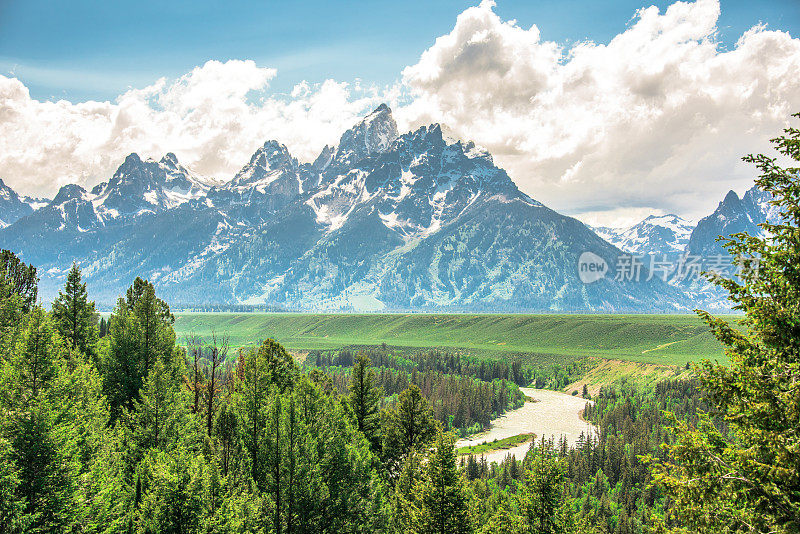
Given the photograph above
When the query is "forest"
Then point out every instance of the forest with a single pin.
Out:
(131, 431)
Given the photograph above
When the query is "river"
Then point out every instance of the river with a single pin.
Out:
(552, 414)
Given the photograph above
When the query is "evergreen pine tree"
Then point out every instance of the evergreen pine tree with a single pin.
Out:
(12, 506)
(542, 499)
(74, 315)
(35, 361)
(407, 427)
(160, 414)
(749, 479)
(444, 502)
(141, 333)
(21, 278)
(364, 400)
(44, 484)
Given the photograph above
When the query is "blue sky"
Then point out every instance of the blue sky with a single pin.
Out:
(83, 50)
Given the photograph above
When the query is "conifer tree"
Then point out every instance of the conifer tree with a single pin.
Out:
(252, 400)
(36, 356)
(11, 506)
(749, 479)
(407, 427)
(44, 484)
(364, 399)
(141, 333)
(21, 278)
(74, 314)
(542, 499)
(444, 502)
(160, 414)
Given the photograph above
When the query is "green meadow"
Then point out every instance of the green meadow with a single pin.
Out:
(656, 339)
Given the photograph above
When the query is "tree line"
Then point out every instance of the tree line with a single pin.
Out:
(460, 403)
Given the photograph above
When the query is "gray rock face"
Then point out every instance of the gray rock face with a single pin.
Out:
(733, 215)
(12, 206)
(380, 222)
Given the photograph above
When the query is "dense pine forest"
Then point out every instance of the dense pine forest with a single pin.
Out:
(113, 426)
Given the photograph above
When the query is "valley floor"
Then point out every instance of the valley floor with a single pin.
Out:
(669, 340)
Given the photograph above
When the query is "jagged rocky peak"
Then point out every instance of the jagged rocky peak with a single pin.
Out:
(69, 192)
(372, 134)
(267, 163)
(170, 160)
(273, 155)
(731, 200)
(324, 158)
(12, 206)
(132, 160)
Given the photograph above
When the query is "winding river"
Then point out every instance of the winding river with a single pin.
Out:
(552, 414)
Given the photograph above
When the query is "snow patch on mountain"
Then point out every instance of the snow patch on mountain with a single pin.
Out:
(657, 234)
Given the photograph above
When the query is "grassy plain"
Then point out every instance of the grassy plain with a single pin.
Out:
(652, 339)
(498, 444)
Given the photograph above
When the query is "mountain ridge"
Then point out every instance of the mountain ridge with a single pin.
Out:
(382, 221)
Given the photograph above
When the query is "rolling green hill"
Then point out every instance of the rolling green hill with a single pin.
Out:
(661, 339)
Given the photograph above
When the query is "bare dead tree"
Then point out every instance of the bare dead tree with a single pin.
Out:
(194, 382)
(217, 354)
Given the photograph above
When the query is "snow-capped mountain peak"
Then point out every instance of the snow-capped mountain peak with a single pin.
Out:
(733, 215)
(13, 207)
(656, 234)
(383, 221)
(266, 165)
(70, 192)
(372, 134)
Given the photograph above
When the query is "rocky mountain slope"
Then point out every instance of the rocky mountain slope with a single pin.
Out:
(733, 215)
(13, 206)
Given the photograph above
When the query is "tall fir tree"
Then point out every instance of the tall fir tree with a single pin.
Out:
(444, 501)
(160, 415)
(75, 316)
(749, 479)
(542, 500)
(141, 334)
(406, 427)
(21, 277)
(365, 399)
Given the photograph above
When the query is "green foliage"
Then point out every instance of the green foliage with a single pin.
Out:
(44, 484)
(34, 363)
(748, 479)
(160, 416)
(20, 277)
(407, 427)
(365, 400)
(497, 444)
(141, 333)
(444, 502)
(542, 501)
(12, 507)
(129, 447)
(74, 315)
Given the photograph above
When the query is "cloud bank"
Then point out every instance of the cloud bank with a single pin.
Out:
(213, 118)
(656, 119)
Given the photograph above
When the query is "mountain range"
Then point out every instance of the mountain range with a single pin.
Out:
(381, 221)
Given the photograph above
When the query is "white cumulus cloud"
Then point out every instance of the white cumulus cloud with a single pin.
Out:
(658, 117)
(654, 120)
(213, 118)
